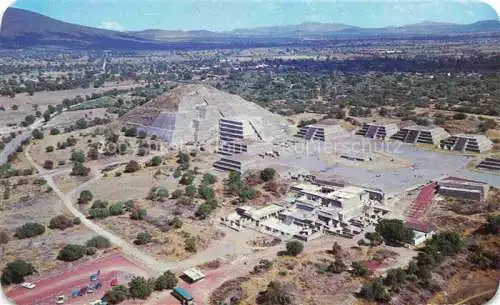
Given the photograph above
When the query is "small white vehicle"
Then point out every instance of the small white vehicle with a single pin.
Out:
(28, 285)
(60, 299)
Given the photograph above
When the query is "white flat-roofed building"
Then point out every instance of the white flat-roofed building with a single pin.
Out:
(467, 143)
(194, 274)
(421, 134)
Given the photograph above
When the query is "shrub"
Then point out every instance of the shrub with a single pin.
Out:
(209, 179)
(204, 210)
(190, 244)
(167, 280)
(15, 272)
(98, 242)
(175, 223)
(37, 134)
(394, 231)
(459, 116)
(29, 229)
(132, 166)
(131, 132)
(77, 221)
(71, 253)
(294, 247)
(155, 161)
(176, 194)
(48, 164)
(138, 214)
(85, 197)
(359, 268)
(143, 238)
(374, 291)
(49, 149)
(190, 191)
(78, 156)
(187, 178)
(61, 222)
(116, 294)
(267, 174)
(99, 213)
(141, 288)
(99, 204)
(79, 170)
(4, 237)
(91, 251)
(116, 209)
(54, 131)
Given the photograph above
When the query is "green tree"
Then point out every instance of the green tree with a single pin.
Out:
(190, 244)
(85, 197)
(79, 170)
(167, 280)
(48, 164)
(375, 291)
(155, 161)
(204, 210)
(117, 209)
(492, 225)
(394, 231)
(61, 222)
(143, 238)
(99, 213)
(98, 242)
(138, 214)
(206, 192)
(54, 131)
(78, 156)
(209, 178)
(294, 247)
(71, 253)
(15, 271)
(182, 158)
(359, 268)
(29, 230)
(267, 174)
(93, 154)
(187, 178)
(141, 288)
(132, 166)
(117, 294)
(190, 191)
(395, 277)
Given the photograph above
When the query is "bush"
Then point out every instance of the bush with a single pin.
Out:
(91, 251)
(117, 294)
(141, 288)
(49, 149)
(78, 156)
(98, 242)
(54, 131)
(275, 294)
(337, 267)
(187, 178)
(131, 132)
(99, 213)
(175, 223)
(71, 253)
(79, 170)
(209, 179)
(117, 209)
(176, 194)
(29, 230)
(132, 166)
(4, 237)
(37, 134)
(85, 197)
(190, 191)
(190, 244)
(138, 214)
(204, 210)
(167, 280)
(374, 291)
(48, 164)
(15, 272)
(294, 247)
(155, 161)
(143, 238)
(492, 225)
(77, 221)
(359, 268)
(267, 174)
(61, 222)
(206, 192)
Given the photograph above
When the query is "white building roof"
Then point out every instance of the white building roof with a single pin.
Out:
(195, 274)
(266, 211)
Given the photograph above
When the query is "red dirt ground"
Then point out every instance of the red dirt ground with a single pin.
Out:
(63, 283)
(422, 202)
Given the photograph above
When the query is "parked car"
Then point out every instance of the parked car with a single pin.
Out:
(28, 285)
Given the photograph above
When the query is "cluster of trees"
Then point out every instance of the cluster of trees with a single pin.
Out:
(442, 245)
(236, 186)
(141, 288)
(15, 271)
(73, 252)
(393, 231)
(63, 222)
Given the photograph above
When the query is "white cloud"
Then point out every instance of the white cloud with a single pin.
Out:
(111, 25)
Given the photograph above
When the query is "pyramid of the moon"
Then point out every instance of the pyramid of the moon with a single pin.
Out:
(192, 113)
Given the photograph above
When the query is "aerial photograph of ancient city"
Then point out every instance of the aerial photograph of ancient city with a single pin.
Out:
(278, 152)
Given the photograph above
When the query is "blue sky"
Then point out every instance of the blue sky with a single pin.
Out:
(226, 15)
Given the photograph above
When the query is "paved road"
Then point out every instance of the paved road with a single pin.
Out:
(16, 142)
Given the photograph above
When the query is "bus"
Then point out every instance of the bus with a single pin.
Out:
(183, 296)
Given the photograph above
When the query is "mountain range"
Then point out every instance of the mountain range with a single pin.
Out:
(22, 28)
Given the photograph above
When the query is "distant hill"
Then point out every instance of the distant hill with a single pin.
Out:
(22, 28)
(26, 28)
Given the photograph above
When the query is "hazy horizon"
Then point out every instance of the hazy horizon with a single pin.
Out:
(229, 15)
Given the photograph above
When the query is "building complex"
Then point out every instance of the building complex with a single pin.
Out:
(378, 131)
(467, 143)
(421, 134)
